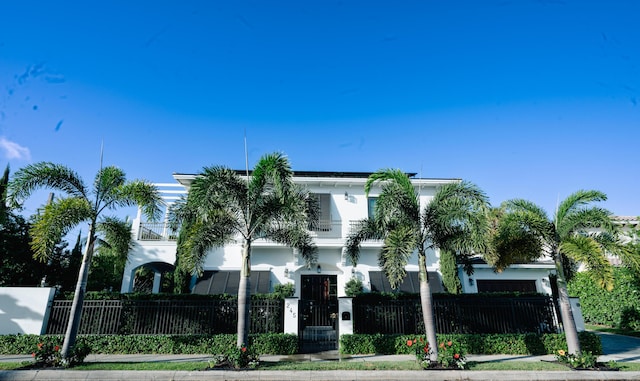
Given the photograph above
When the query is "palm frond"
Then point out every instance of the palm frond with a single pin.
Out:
(46, 175)
(57, 219)
(107, 180)
(137, 192)
(516, 239)
(585, 249)
(577, 201)
(196, 239)
(457, 218)
(584, 219)
(272, 174)
(398, 246)
(219, 188)
(117, 239)
(398, 202)
(361, 231)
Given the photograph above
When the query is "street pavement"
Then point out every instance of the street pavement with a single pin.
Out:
(615, 347)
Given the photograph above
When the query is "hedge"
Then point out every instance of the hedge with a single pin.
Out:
(618, 308)
(271, 343)
(513, 344)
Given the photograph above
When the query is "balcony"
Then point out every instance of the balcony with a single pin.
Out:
(327, 229)
(156, 231)
(159, 231)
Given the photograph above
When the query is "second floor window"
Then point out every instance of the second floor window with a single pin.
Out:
(371, 206)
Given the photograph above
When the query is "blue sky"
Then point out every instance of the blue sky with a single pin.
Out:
(527, 99)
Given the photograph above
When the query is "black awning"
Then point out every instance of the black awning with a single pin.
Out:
(410, 284)
(226, 282)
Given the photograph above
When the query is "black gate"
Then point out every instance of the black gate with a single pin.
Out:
(317, 324)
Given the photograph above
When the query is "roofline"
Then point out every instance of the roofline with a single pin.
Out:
(336, 176)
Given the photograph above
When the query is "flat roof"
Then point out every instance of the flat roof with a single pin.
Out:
(325, 174)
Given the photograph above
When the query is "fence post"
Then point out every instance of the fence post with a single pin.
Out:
(345, 317)
(291, 315)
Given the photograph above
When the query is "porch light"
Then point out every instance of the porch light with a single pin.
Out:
(286, 272)
(346, 196)
(319, 269)
(471, 281)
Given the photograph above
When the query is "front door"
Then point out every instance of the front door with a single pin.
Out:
(319, 311)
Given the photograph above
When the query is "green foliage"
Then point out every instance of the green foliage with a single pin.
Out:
(618, 308)
(47, 354)
(516, 344)
(449, 270)
(451, 354)
(273, 343)
(285, 290)
(586, 360)
(353, 287)
(238, 358)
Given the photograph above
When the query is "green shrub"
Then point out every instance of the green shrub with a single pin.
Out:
(616, 308)
(273, 343)
(353, 287)
(515, 344)
(285, 290)
(238, 358)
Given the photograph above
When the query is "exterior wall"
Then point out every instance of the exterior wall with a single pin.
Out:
(348, 204)
(537, 272)
(24, 310)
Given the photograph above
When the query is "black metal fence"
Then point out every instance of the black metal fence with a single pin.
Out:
(172, 317)
(457, 315)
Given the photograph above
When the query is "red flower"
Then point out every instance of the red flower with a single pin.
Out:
(243, 349)
(409, 342)
(39, 345)
(449, 343)
(441, 345)
(56, 348)
(425, 349)
(33, 354)
(456, 356)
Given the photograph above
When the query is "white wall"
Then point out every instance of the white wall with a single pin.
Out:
(24, 310)
(539, 273)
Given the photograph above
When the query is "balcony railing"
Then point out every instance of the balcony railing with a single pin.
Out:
(156, 231)
(327, 229)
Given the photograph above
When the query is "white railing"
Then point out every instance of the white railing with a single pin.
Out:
(156, 231)
(159, 231)
(327, 229)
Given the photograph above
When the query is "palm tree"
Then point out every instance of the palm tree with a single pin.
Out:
(454, 220)
(579, 231)
(81, 204)
(221, 206)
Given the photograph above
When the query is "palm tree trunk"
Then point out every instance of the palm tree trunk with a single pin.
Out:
(244, 296)
(568, 322)
(78, 297)
(426, 300)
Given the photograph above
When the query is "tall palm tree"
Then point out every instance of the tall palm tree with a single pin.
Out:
(81, 204)
(454, 220)
(579, 231)
(221, 206)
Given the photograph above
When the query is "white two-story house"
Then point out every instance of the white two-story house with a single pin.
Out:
(343, 203)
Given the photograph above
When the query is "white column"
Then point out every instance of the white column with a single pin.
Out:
(291, 315)
(157, 278)
(345, 316)
(127, 280)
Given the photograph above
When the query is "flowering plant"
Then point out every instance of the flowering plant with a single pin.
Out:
(422, 351)
(47, 354)
(584, 360)
(451, 354)
(238, 358)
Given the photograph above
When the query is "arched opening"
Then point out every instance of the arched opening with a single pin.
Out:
(153, 277)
